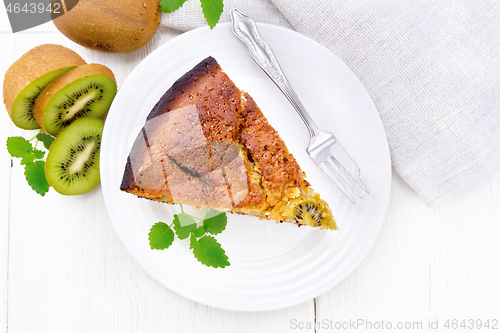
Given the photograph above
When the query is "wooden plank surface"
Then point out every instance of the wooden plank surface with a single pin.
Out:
(63, 269)
(429, 263)
(6, 57)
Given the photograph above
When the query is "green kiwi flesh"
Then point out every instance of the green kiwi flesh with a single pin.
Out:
(22, 109)
(90, 96)
(72, 165)
(310, 211)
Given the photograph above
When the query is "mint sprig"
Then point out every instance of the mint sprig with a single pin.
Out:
(205, 248)
(212, 9)
(31, 158)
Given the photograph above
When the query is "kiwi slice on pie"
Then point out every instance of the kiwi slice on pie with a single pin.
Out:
(311, 211)
(29, 75)
(72, 165)
(84, 91)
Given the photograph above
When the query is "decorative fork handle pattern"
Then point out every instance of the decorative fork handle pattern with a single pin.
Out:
(244, 28)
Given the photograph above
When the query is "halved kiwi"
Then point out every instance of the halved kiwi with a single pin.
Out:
(72, 165)
(29, 75)
(84, 91)
(311, 211)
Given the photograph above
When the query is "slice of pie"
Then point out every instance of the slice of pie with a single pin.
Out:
(207, 144)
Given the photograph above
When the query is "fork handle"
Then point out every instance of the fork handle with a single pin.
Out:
(244, 28)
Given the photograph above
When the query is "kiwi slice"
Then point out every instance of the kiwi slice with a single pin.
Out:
(72, 165)
(311, 211)
(84, 91)
(29, 75)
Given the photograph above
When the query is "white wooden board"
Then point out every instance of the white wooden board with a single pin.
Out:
(63, 269)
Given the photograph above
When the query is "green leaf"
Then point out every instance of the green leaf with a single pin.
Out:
(211, 213)
(215, 221)
(200, 231)
(35, 175)
(161, 236)
(28, 158)
(38, 154)
(170, 6)
(183, 232)
(208, 251)
(185, 219)
(46, 139)
(18, 146)
(212, 9)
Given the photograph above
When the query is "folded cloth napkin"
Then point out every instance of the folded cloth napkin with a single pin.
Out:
(432, 68)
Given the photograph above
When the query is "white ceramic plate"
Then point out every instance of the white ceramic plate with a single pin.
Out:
(272, 265)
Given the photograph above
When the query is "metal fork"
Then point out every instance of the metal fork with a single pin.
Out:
(323, 147)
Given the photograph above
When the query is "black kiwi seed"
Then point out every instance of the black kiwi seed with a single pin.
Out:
(308, 212)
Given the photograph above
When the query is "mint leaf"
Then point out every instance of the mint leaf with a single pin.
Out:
(200, 231)
(185, 219)
(31, 156)
(38, 154)
(208, 251)
(161, 236)
(183, 232)
(212, 9)
(18, 146)
(28, 158)
(215, 221)
(35, 175)
(169, 6)
(212, 212)
(46, 139)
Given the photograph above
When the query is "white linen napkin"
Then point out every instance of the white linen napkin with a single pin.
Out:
(432, 68)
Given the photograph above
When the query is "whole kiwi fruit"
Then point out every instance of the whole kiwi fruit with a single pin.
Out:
(116, 26)
(29, 75)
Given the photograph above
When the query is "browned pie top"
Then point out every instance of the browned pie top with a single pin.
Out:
(279, 167)
(214, 95)
(206, 143)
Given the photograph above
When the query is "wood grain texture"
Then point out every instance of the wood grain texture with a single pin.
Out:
(428, 263)
(63, 268)
(6, 58)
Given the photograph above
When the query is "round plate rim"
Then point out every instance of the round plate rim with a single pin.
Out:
(241, 307)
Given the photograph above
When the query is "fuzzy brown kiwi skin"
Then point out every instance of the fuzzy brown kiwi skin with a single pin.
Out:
(115, 26)
(36, 62)
(62, 81)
